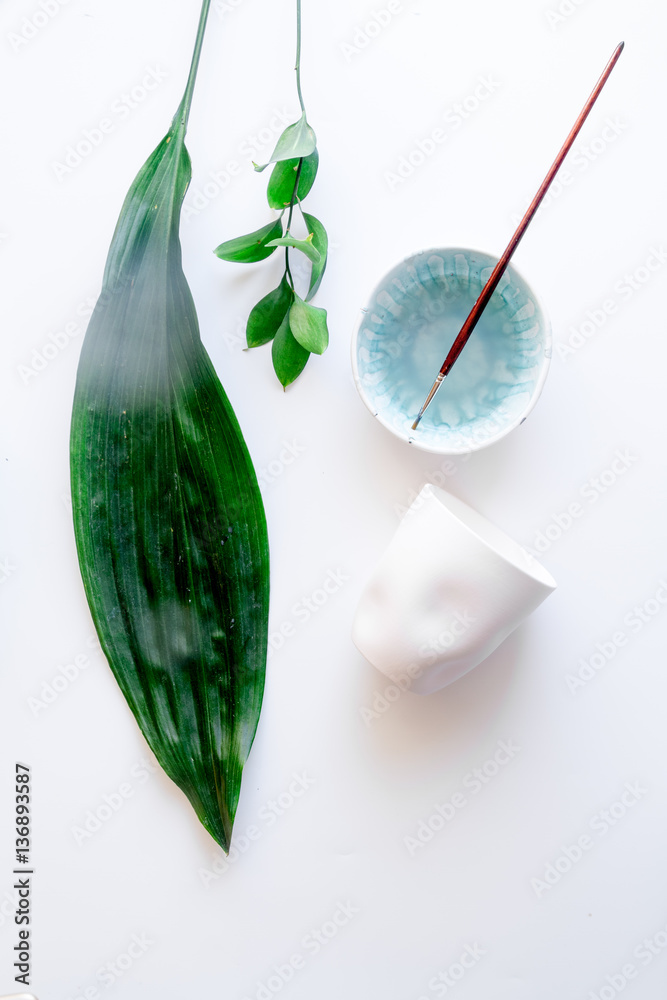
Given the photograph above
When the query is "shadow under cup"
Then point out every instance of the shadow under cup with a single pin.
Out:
(448, 590)
(403, 337)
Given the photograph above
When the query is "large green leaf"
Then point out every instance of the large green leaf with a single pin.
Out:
(169, 522)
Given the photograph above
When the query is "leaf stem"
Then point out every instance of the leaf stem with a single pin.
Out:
(294, 198)
(298, 56)
(294, 195)
(183, 112)
(287, 269)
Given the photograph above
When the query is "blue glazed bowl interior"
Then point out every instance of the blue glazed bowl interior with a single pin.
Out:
(405, 333)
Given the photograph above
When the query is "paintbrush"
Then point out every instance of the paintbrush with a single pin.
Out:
(499, 269)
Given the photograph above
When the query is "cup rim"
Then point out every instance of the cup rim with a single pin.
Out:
(413, 438)
(493, 538)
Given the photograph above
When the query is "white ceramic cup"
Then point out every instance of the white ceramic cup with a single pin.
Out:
(447, 591)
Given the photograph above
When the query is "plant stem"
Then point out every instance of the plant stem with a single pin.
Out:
(183, 112)
(289, 218)
(294, 195)
(287, 269)
(298, 56)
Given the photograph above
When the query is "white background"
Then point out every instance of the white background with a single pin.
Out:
(372, 778)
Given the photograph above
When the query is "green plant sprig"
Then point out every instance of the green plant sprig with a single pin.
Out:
(297, 328)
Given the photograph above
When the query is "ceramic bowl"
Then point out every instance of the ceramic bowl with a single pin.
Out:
(405, 332)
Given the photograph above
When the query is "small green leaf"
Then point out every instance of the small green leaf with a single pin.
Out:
(321, 244)
(283, 177)
(266, 317)
(305, 246)
(297, 140)
(253, 247)
(289, 357)
(309, 326)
